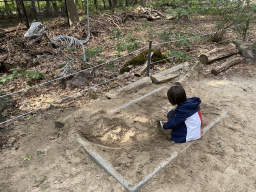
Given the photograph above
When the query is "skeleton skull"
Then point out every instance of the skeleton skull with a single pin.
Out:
(35, 32)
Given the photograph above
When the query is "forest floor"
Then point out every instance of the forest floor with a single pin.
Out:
(39, 155)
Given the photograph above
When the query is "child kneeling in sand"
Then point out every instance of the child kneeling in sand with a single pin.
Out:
(186, 120)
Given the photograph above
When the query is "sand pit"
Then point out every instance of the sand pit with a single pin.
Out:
(222, 160)
(126, 139)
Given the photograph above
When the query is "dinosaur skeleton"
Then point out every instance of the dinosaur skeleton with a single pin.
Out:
(37, 31)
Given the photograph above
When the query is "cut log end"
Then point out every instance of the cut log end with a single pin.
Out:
(214, 72)
(203, 59)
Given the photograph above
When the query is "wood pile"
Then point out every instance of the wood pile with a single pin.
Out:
(142, 13)
(229, 52)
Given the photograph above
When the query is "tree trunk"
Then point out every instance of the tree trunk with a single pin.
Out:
(34, 12)
(126, 3)
(142, 2)
(55, 8)
(104, 4)
(18, 4)
(110, 4)
(72, 12)
(7, 8)
(114, 2)
(96, 4)
(48, 8)
(134, 2)
(218, 53)
(232, 61)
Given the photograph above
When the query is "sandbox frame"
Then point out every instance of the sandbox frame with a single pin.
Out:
(95, 157)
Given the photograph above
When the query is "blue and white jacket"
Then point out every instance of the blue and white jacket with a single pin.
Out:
(187, 123)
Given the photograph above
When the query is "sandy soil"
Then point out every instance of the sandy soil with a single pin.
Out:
(129, 139)
(48, 158)
(44, 155)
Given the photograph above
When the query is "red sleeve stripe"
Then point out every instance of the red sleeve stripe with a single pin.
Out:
(199, 113)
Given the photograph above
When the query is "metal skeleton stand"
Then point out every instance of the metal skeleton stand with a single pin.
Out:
(37, 31)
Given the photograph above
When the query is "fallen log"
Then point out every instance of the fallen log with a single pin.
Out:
(218, 53)
(192, 73)
(141, 70)
(159, 78)
(232, 61)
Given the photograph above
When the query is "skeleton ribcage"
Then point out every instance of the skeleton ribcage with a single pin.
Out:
(67, 41)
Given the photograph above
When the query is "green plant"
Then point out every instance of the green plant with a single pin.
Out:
(178, 55)
(27, 157)
(41, 181)
(111, 66)
(89, 53)
(164, 35)
(18, 71)
(129, 45)
(158, 56)
(150, 32)
(139, 60)
(63, 65)
(118, 34)
(229, 13)
(15, 72)
(139, 28)
(181, 39)
(33, 75)
(5, 78)
(130, 38)
(173, 26)
(29, 117)
(184, 10)
(93, 95)
(100, 62)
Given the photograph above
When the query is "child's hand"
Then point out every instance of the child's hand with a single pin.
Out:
(161, 124)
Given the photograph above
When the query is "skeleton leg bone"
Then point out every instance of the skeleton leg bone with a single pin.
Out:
(66, 69)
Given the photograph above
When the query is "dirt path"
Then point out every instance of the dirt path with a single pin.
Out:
(47, 158)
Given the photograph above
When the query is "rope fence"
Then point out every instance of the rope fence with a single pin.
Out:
(97, 66)
(54, 102)
(59, 78)
(107, 62)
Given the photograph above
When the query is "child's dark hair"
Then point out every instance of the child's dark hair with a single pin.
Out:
(176, 94)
